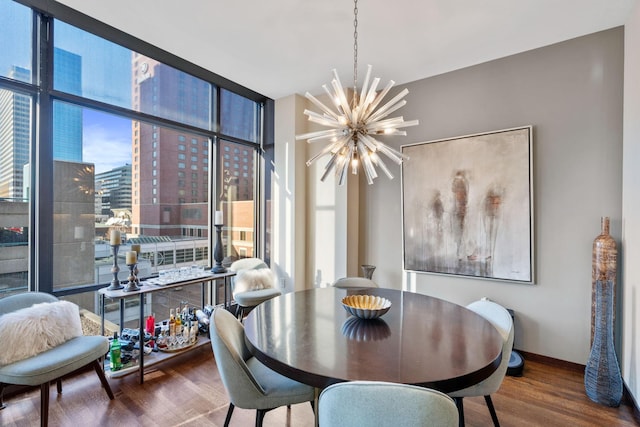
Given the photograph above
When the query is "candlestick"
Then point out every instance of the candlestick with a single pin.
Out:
(115, 238)
(115, 283)
(217, 220)
(217, 253)
(132, 285)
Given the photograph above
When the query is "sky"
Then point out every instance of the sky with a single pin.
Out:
(106, 76)
(106, 140)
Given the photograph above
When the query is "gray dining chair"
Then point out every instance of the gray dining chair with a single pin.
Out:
(354, 283)
(249, 383)
(52, 364)
(249, 298)
(500, 318)
(374, 403)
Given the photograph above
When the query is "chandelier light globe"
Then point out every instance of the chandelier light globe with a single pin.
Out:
(354, 128)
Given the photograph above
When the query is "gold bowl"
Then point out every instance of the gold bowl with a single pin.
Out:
(366, 306)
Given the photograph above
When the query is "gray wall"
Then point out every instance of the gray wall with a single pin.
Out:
(571, 93)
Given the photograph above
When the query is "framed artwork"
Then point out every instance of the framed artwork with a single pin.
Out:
(467, 206)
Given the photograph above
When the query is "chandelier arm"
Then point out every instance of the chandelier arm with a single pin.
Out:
(320, 105)
(394, 155)
(332, 148)
(369, 143)
(385, 124)
(365, 85)
(342, 98)
(341, 168)
(379, 98)
(321, 134)
(366, 164)
(329, 167)
(377, 160)
(396, 99)
(323, 120)
(390, 110)
(369, 98)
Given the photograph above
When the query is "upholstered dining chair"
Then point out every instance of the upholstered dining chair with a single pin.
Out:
(47, 358)
(354, 282)
(252, 285)
(374, 403)
(249, 383)
(500, 318)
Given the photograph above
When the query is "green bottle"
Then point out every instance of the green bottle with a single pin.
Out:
(115, 353)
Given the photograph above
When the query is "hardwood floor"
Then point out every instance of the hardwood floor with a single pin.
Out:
(187, 391)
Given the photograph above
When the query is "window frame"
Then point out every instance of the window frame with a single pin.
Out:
(43, 95)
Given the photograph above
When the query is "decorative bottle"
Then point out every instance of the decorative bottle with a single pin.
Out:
(115, 353)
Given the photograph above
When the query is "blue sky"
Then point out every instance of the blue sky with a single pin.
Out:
(106, 76)
(106, 140)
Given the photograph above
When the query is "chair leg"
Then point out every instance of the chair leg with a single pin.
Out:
(260, 413)
(492, 410)
(59, 385)
(460, 407)
(2, 405)
(44, 404)
(229, 413)
(103, 379)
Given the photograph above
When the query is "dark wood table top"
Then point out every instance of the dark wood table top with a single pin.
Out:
(421, 340)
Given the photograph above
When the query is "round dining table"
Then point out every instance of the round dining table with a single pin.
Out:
(309, 336)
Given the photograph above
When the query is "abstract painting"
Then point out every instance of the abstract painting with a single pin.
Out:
(468, 206)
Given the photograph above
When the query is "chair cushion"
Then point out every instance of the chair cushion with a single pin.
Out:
(54, 363)
(253, 280)
(30, 331)
(253, 298)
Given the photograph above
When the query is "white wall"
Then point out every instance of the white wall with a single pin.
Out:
(631, 207)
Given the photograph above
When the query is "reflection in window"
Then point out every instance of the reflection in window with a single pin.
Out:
(15, 33)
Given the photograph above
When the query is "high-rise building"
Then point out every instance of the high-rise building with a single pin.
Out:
(67, 118)
(170, 168)
(113, 190)
(15, 135)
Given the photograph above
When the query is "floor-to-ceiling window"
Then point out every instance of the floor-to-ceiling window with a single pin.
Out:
(102, 137)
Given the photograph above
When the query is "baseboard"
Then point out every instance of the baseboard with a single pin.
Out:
(627, 397)
(552, 361)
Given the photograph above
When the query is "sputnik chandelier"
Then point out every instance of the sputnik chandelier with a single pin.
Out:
(353, 127)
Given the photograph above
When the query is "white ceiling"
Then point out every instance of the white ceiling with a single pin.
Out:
(281, 47)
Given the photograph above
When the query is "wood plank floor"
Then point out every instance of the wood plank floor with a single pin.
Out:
(187, 391)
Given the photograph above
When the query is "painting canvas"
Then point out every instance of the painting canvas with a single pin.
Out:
(467, 206)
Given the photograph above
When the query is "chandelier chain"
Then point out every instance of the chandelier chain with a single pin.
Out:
(355, 49)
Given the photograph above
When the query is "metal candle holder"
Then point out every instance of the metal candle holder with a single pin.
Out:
(115, 283)
(132, 285)
(217, 253)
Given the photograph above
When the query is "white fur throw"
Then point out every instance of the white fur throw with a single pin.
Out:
(253, 280)
(32, 330)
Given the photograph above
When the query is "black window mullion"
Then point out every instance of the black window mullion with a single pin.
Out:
(42, 194)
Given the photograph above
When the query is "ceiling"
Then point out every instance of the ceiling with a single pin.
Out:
(281, 47)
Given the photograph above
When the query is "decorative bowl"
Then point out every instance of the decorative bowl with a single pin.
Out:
(366, 306)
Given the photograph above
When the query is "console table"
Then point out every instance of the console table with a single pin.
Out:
(147, 287)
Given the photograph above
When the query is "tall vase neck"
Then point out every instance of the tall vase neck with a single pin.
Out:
(604, 223)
